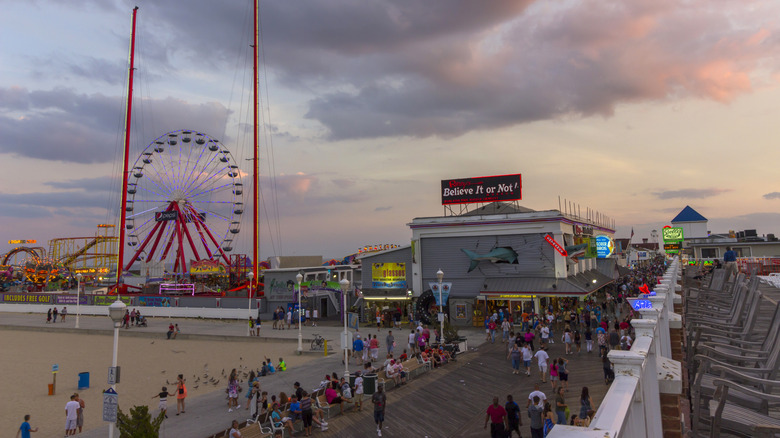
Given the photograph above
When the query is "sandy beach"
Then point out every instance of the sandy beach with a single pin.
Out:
(146, 364)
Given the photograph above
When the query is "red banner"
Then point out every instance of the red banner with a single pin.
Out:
(555, 245)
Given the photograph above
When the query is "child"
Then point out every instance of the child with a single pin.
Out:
(282, 365)
(270, 366)
(163, 395)
(264, 369)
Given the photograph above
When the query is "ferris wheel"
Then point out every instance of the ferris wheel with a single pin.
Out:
(184, 200)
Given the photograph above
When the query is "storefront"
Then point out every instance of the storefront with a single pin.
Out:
(386, 293)
(506, 257)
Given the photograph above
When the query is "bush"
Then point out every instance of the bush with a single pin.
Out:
(139, 424)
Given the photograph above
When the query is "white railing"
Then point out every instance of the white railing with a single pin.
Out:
(632, 406)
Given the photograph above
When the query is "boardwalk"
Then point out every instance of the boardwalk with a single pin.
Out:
(451, 401)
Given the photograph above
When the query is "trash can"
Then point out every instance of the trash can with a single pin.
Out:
(369, 384)
(352, 380)
(83, 380)
(51, 389)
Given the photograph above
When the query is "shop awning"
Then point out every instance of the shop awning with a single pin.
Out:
(580, 284)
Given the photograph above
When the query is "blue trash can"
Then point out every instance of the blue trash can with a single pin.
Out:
(83, 380)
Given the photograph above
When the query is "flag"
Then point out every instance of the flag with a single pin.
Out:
(632, 234)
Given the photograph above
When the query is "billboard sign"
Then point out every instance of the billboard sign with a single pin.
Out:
(604, 246)
(388, 275)
(672, 234)
(673, 248)
(168, 215)
(481, 189)
(22, 241)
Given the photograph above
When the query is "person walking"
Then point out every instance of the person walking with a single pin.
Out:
(527, 356)
(48, 316)
(374, 346)
(541, 360)
(549, 419)
(505, 327)
(586, 403)
(379, 399)
(181, 394)
(54, 314)
(535, 415)
(513, 420)
(560, 406)
(390, 339)
(730, 259)
(563, 373)
(25, 428)
(496, 414)
(515, 354)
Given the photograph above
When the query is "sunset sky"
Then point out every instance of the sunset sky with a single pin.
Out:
(635, 109)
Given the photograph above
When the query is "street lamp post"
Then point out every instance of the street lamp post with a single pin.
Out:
(440, 276)
(250, 276)
(78, 298)
(344, 283)
(299, 277)
(116, 311)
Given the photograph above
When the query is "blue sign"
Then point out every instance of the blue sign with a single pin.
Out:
(641, 304)
(604, 246)
(55, 368)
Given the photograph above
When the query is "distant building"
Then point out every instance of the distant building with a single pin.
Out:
(694, 225)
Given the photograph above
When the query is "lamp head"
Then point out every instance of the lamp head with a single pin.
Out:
(344, 283)
(78, 276)
(250, 275)
(299, 277)
(440, 275)
(116, 311)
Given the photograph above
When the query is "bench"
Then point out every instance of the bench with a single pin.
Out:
(255, 430)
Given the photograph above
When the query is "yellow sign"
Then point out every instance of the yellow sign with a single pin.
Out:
(515, 296)
(91, 270)
(206, 267)
(388, 275)
(21, 241)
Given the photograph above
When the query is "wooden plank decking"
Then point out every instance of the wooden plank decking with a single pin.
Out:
(451, 401)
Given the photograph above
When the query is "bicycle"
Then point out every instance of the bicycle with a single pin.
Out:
(318, 343)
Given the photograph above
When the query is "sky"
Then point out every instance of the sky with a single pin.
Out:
(634, 109)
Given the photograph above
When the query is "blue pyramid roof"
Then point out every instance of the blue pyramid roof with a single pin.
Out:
(689, 215)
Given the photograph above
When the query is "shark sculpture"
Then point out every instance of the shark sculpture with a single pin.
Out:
(498, 255)
(575, 252)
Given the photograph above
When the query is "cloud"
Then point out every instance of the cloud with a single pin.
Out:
(773, 195)
(101, 183)
(690, 193)
(385, 208)
(63, 125)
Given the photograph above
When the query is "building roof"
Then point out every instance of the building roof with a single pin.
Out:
(498, 208)
(689, 215)
(583, 283)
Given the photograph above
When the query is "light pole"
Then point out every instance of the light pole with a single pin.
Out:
(344, 283)
(250, 276)
(116, 311)
(440, 276)
(299, 278)
(78, 298)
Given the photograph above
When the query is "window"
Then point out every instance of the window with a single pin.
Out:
(709, 253)
(742, 252)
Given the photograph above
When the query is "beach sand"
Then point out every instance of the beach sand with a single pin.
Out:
(26, 361)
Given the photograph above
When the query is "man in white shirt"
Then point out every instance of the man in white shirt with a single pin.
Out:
(412, 344)
(527, 356)
(545, 333)
(536, 393)
(505, 327)
(541, 358)
(71, 415)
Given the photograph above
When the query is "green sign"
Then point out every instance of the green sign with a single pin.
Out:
(673, 234)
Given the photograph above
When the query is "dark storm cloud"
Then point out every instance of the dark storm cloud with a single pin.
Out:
(773, 195)
(63, 125)
(690, 193)
(434, 68)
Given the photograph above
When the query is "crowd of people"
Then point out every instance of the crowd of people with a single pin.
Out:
(605, 319)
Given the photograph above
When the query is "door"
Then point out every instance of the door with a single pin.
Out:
(323, 308)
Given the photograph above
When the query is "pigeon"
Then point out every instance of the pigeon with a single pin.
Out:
(215, 383)
(152, 342)
(196, 386)
(162, 372)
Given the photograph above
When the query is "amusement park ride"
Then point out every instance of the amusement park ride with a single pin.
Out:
(181, 206)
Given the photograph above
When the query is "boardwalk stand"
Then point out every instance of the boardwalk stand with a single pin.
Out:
(53, 385)
(110, 405)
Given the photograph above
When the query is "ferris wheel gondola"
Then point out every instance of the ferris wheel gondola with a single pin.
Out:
(184, 201)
